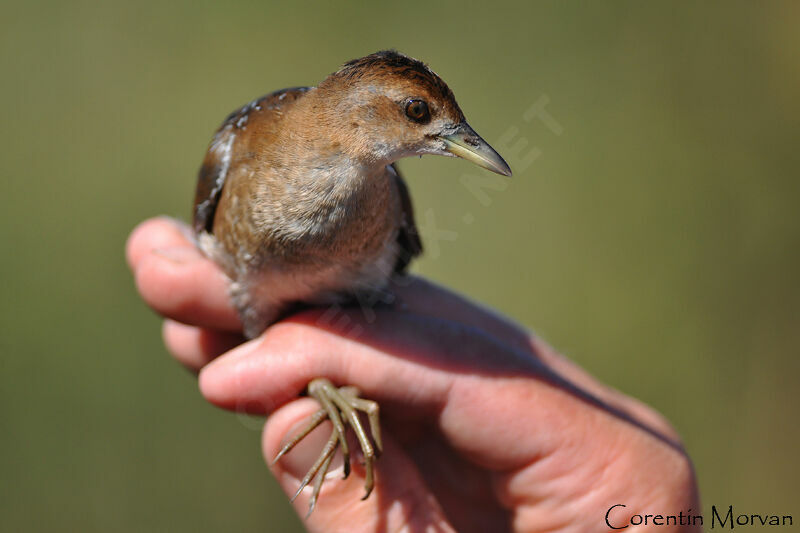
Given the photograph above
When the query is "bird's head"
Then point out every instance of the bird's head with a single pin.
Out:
(386, 106)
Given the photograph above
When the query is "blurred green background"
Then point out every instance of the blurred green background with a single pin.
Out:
(655, 240)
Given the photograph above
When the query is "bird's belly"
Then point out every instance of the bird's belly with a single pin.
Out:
(328, 282)
(264, 295)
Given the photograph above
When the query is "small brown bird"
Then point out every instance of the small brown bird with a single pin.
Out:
(299, 201)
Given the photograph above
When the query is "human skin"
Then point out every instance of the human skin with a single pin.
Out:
(485, 427)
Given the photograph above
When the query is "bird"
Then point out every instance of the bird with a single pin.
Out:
(300, 203)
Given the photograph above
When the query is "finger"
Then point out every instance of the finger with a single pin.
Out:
(176, 280)
(196, 347)
(400, 500)
(382, 359)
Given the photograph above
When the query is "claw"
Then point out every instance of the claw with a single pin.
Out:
(327, 453)
(341, 406)
(315, 420)
(318, 484)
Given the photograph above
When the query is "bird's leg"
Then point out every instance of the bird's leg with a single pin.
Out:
(340, 405)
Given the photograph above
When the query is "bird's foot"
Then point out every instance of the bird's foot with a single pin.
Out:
(341, 406)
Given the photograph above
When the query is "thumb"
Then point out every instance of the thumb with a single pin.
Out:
(400, 500)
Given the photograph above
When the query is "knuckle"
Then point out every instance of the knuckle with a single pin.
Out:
(282, 333)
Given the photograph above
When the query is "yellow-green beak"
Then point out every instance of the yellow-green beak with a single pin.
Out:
(467, 144)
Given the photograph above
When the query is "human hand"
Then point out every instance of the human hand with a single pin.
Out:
(485, 427)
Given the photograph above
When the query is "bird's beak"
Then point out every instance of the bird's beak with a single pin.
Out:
(467, 144)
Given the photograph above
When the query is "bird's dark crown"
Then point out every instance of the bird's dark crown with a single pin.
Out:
(391, 62)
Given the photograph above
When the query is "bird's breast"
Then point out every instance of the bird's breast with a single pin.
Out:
(317, 244)
(340, 215)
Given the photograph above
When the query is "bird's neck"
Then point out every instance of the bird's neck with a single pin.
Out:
(327, 188)
(326, 156)
(329, 122)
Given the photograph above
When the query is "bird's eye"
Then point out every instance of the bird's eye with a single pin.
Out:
(417, 110)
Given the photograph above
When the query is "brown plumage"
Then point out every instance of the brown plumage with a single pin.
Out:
(298, 199)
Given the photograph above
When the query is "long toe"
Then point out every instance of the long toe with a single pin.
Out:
(342, 407)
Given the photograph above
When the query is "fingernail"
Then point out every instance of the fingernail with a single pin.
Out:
(181, 226)
(179, 254)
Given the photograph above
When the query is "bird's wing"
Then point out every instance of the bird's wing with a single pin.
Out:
(408, 238)
(217, 163)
